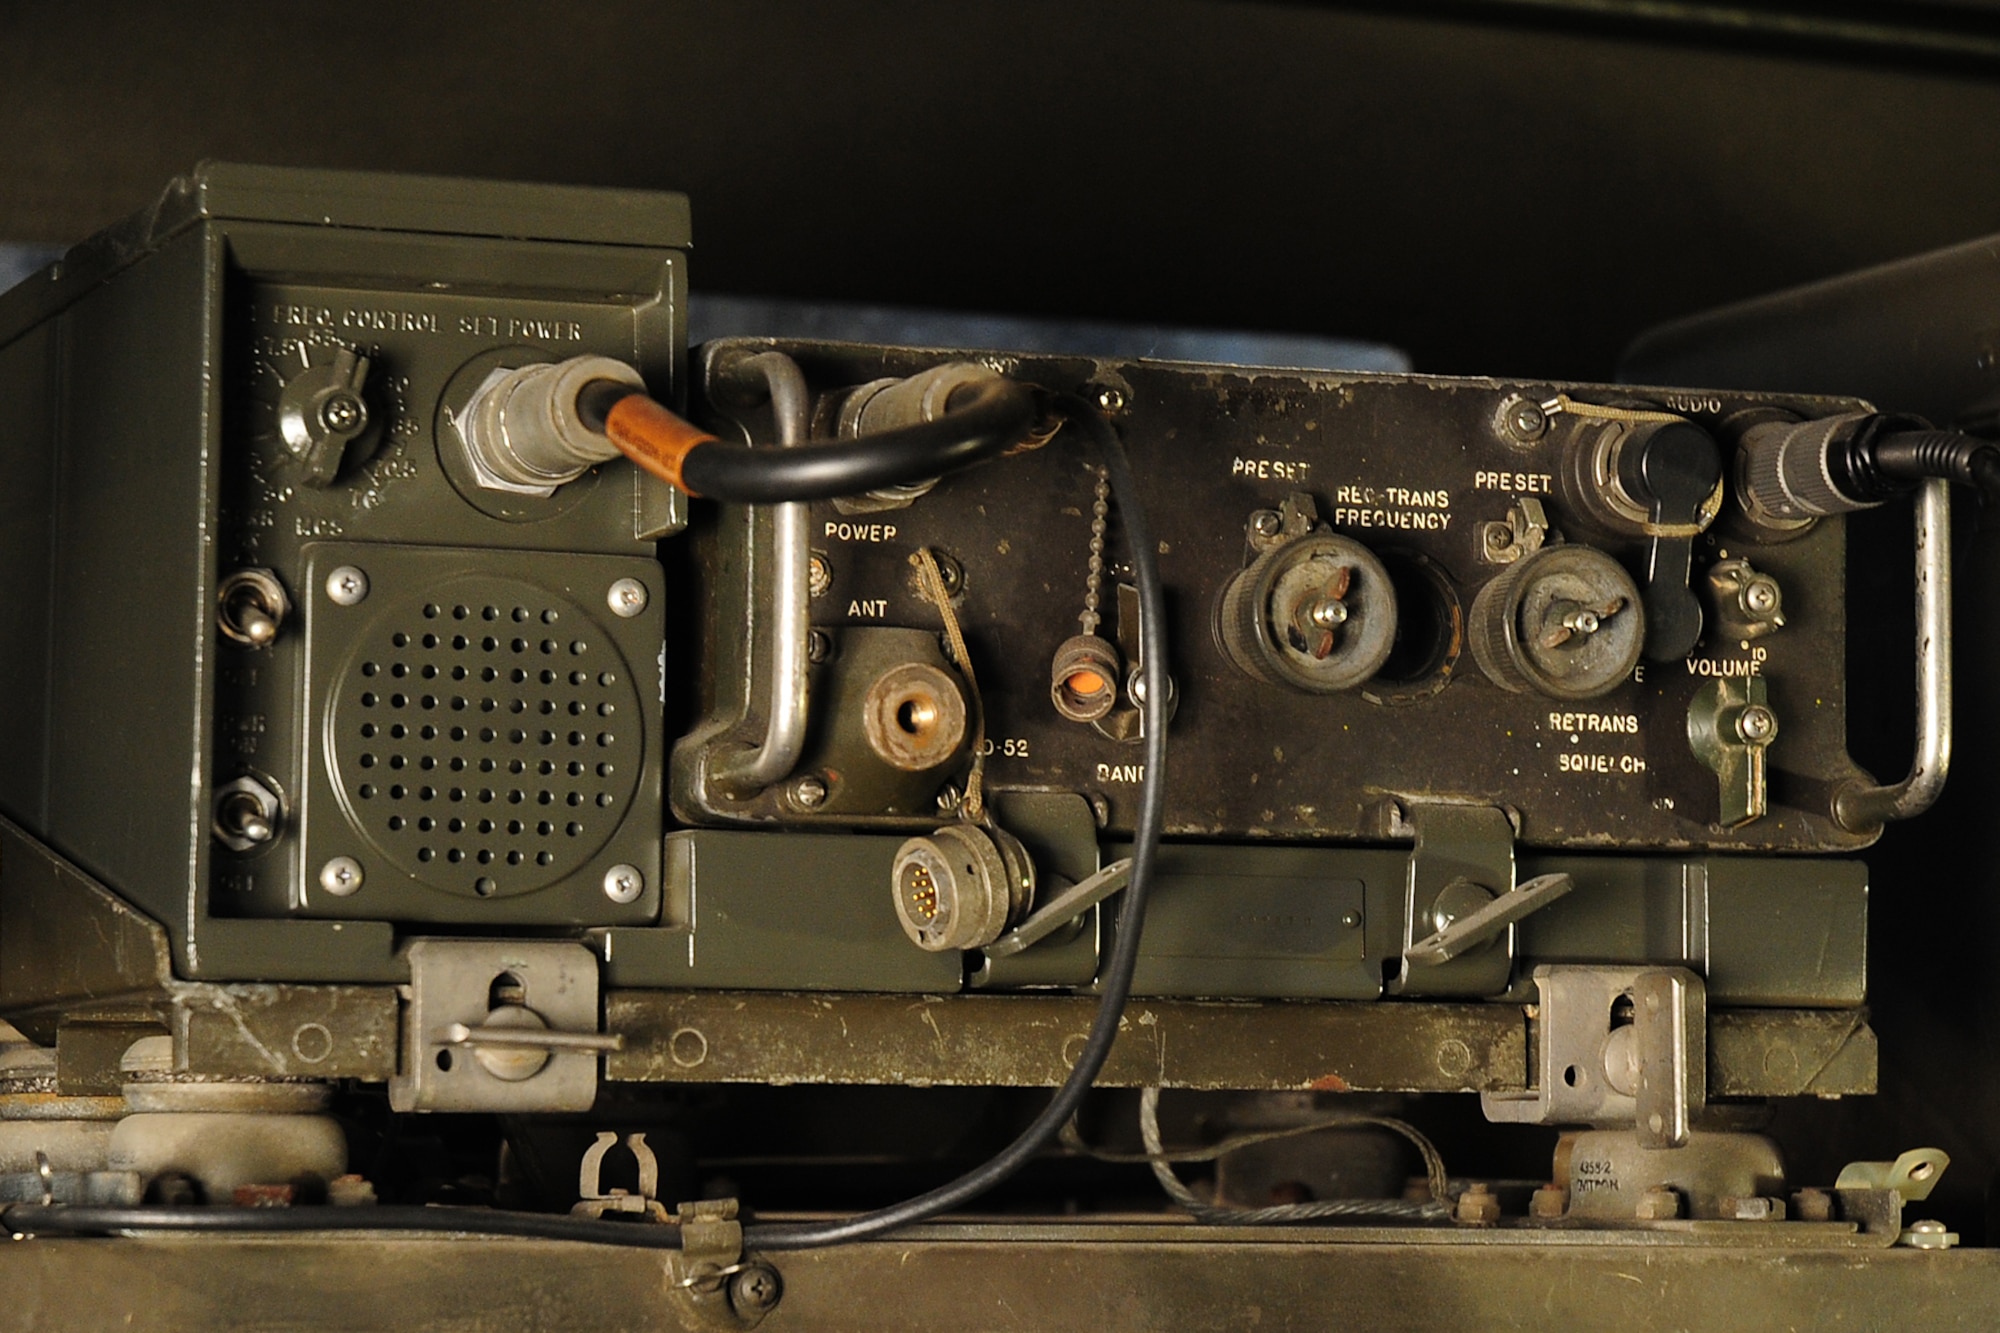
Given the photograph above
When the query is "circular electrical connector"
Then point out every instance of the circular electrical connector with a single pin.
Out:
(1083, 678)
(914, 717)
(1317, 614)
(1566, 622)
(960, 887)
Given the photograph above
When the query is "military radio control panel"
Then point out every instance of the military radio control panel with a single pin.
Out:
(1384, 590)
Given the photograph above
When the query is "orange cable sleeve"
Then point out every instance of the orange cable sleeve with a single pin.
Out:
(653, 437)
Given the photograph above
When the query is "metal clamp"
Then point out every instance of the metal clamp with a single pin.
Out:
(1462, 864)
(1859, 807)
(499, 1025)
(723, 1287)
(596, 1201)
(1618, 1045)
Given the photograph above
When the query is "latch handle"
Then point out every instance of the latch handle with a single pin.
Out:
(1064, 908)
(1475, 928)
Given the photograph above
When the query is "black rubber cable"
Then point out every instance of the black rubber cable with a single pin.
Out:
(1917, 454)
(1117, 979)
(20, 1218)
(776, 1236)
(979, 421)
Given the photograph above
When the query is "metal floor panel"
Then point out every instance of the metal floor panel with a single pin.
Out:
(990, 1277)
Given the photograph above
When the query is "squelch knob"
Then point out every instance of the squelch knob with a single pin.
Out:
(1566, 622)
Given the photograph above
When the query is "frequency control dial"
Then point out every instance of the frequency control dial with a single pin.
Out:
(1565, 622)
(1317, 613)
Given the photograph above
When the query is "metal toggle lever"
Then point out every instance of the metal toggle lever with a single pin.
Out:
(535, 1039)
(1477, 927)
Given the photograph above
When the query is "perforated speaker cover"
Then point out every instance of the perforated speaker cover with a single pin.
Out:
(483, 736)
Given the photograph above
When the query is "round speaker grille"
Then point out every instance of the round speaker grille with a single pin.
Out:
(486, 736)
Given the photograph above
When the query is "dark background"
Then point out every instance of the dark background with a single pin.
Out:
(1506, 187)
(1499, 187)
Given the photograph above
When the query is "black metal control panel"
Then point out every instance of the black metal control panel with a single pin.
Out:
(1383, 589)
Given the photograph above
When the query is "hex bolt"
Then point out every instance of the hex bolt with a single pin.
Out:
(1756, 724)
(950, 573)
(346, 586)
(1549, 1202)
(1658, 1204)
(819, 575)
(624, 884)
(809, 793)
(755, 1290)
(1812, 1205)
(1478, 1206)
(626, 598)
(341, 876)
(1753, 1208)
(1927, 1235)
(1110, 399)
(1266, 523)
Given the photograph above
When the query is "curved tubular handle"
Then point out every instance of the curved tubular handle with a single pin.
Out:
(744, 773)
(1858, 807)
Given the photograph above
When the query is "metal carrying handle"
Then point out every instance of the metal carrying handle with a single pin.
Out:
(744, 773)
(1859, 807)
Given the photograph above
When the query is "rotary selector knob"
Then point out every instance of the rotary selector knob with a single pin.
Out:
(321, 412)
(1565, 622)
(1317, 614)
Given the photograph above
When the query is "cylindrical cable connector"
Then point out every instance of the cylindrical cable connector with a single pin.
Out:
(524, 432)
(1792, 471)
(981, 415)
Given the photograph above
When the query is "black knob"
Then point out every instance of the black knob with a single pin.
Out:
(1670, 469)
